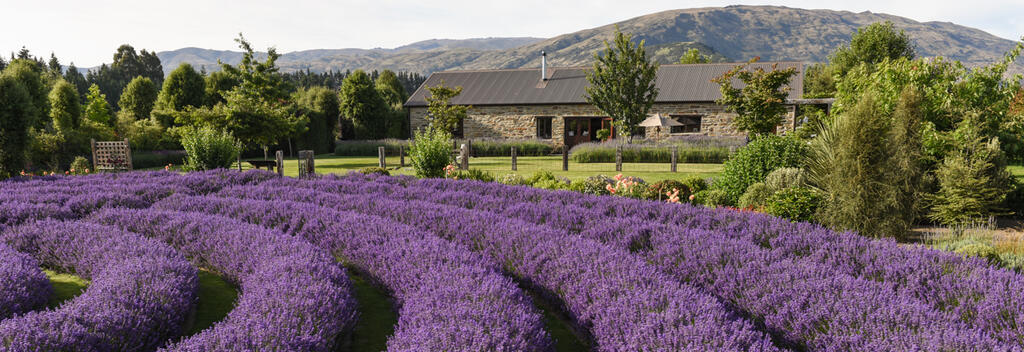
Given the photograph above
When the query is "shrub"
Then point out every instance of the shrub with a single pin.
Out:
(646, 153)
(80, 165)
(603, 134)
(474, 174)
(374, 170)
(512, 179)
(794, 203)
(554, 184)
(658, 189)
(503, 147)
(756, 196)
(973, 184)
(711, 198)
(753, 163)
(430, 152)
(974, 248)
(869, 167)
(695, 184)
(540, 176)
(786, 177)
(208, 149)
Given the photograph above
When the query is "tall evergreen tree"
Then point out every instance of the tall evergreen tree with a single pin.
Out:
(622, 83)
(77, 79)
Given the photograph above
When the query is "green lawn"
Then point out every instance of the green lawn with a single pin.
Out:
(216, 300)
(65, 287)
(377, 319)
(650, 172)
(216, 296)
(1017, 170)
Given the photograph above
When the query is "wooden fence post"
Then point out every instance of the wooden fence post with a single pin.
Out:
(465, 156)
(618, 158)
(513, 158)
(92, 142)
(469, 146)
(280, 163)
(128, 153)
(675, 156)
(565, 158)
(381, 163)
(401, 156)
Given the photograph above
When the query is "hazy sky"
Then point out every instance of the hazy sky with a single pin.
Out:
(88, 31)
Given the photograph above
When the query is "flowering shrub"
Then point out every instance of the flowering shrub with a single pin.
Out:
(23, 286)
(141, 292)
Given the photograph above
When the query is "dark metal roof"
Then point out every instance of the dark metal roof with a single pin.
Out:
(676, 84)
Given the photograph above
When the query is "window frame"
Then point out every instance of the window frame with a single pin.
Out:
(544, 124)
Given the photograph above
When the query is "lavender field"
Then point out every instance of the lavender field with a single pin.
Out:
(461, 261)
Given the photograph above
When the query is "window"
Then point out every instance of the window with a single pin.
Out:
(544, 127)
(691, 123)
(639, 132)
(458, 133)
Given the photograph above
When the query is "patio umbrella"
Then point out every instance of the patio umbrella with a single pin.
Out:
(659, 121)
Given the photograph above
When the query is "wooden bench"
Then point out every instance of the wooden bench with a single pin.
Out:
(269, 164)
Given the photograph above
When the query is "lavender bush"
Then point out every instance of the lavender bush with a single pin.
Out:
(23, 286)
(141, 291)
(293, 296)
(449, 297)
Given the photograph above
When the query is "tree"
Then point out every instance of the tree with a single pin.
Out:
(390, 89)
(16, 109)
(217, 84)
(394, 95)
(441, 114)
(257, 111)
(183, 87)
(871, 45)
(96, 108)
(28, 73)
(868, 166)
(622, 83)
(693, 56)
(973, 182)
(363, 106)
(65, 107)
(54, 65)
(77, 79)
(760, 103)
(138, 98)
(321, 107)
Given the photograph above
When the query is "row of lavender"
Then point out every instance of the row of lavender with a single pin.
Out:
(624, 303)
(772, 271)
(486, 312)
(294, 297)
(449, 298)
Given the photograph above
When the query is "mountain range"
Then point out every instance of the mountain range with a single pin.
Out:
(733, 33)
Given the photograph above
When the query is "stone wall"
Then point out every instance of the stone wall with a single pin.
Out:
(519, 122)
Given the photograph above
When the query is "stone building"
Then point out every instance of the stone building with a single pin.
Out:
(549, 103)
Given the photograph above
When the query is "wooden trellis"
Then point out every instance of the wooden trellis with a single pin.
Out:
(111, 156)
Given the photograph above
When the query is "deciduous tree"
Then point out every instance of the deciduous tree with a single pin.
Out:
(441, 114)
(622, 83)
(760, 103)
(138, 98)
(16, 109)
(362, 105)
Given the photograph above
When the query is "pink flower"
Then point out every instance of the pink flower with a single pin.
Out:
(610, 188)
(692, 196)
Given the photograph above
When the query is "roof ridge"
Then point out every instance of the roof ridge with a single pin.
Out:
(585, 67)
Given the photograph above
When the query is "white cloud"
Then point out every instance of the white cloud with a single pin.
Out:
(87, 32)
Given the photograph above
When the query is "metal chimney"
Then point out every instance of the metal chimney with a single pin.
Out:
(543, 66)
